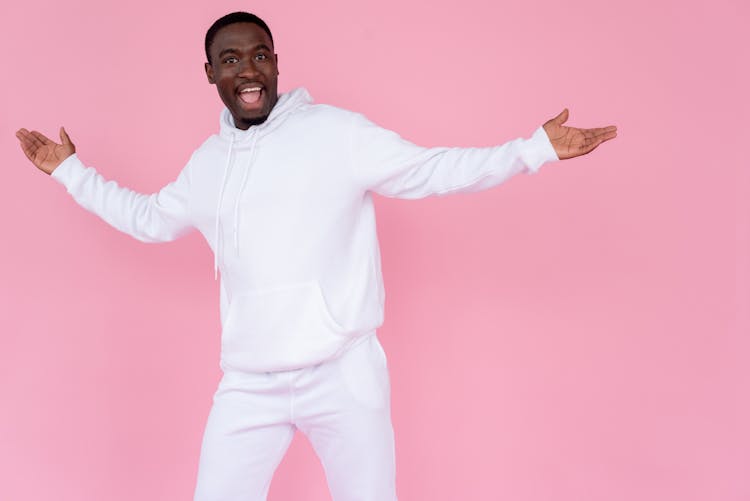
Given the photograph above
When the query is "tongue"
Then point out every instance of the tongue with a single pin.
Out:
(250, 97)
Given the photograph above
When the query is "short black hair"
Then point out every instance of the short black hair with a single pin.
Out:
(234, 17)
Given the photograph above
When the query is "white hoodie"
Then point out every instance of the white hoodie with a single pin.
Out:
(287, 208)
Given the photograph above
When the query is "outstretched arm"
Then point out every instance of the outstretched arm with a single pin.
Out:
(393, 167)
(158, 217)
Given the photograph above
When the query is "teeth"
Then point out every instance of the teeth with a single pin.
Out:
(251, 89)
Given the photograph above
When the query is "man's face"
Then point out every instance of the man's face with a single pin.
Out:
(244, 68)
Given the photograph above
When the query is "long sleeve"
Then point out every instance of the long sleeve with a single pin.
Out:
(391, 166)
(158, 217)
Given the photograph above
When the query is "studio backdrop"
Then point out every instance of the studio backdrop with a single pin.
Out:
(578, 334)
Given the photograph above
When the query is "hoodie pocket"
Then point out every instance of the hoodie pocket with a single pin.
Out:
(280, 328)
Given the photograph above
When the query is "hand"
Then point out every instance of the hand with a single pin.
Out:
(570, 142)
(43, 152)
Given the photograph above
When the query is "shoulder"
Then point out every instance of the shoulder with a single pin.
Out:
(213, 141)
(326, 113)
(325, 120)
(212, 147)
(315, 121)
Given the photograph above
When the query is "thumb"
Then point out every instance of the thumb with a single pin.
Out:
(64, 137)
(562, 117)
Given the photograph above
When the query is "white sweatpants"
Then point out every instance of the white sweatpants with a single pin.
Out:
(343, 406)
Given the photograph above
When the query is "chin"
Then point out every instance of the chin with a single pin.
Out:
(256, 120)
(249, 121)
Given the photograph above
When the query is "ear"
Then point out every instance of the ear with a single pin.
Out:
(276, 57)
(209, 73)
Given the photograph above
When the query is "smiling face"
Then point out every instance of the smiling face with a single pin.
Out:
(244, 68)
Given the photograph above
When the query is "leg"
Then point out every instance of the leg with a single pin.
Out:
(246, 437)
(348, 423)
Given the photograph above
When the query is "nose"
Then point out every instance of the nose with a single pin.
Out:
(247, 68)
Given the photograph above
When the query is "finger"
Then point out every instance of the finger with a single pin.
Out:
(602, 130)
(30, 140)
(64, 137)
(27, 143)
(562, 117)
(605, 135)
(29, 153)
(597, 131)
(41, 137)
(591, 143)
(23, 136)
(587, 140)
(609, 135)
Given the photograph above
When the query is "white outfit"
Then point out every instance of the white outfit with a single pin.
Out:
(287, 208)
(343, 406)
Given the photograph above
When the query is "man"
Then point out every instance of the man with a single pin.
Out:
(283, 195)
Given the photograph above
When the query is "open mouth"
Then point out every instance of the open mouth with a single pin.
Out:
(251, 96)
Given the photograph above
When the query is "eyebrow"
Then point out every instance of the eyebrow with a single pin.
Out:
(233, 50)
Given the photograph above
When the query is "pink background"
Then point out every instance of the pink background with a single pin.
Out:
(581, 334)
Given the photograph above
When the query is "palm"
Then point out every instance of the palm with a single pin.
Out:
(44, 153)
(571, 142)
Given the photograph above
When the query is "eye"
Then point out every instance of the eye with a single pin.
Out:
(230, 60)
(261, 57)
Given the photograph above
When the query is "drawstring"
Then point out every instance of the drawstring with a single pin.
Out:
(227, 168)
(287, 105)
(239, 195)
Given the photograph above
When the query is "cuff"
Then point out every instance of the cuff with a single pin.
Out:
(66, 171)
(538, 150)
